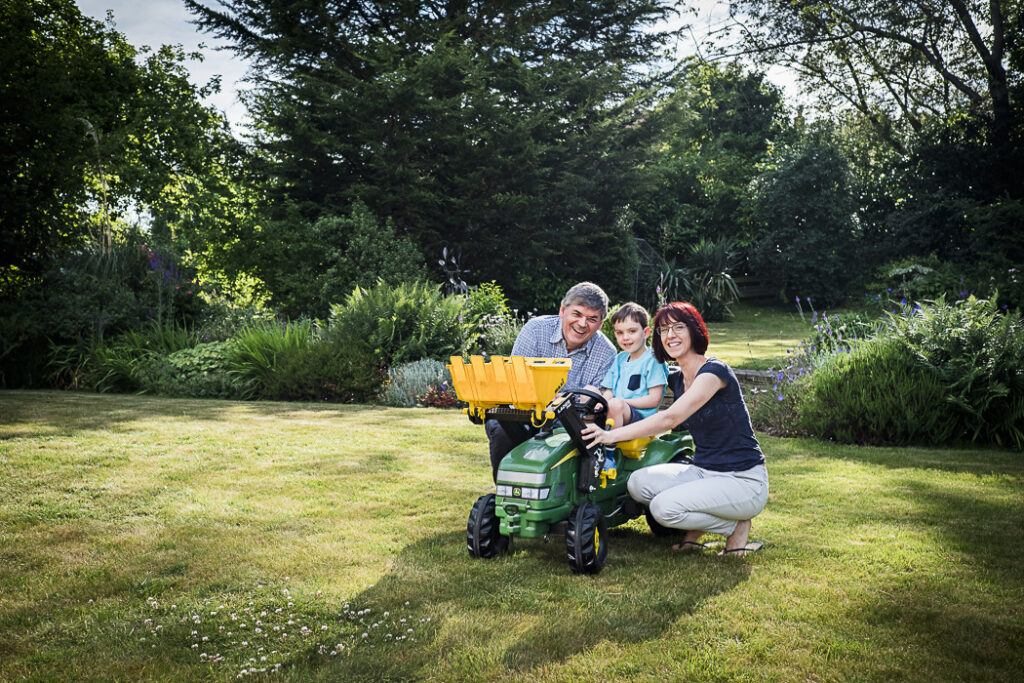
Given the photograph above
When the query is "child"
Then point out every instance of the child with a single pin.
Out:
(635, 382)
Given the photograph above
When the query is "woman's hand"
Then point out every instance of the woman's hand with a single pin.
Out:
(593, 434)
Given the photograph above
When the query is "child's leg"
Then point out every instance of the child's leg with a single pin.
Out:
(619, 411)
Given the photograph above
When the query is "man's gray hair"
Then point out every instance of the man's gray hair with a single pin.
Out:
(587, 294)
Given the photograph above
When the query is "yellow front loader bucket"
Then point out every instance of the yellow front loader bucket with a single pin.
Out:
(524, 383)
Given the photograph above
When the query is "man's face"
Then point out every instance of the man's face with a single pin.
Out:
(579, 324)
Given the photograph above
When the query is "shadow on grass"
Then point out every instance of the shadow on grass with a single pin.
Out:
(525, 612)
(65, 413)
(976, 460)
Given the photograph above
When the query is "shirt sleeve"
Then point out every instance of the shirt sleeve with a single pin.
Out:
(526, 340)
(716, 368)
(658, 374)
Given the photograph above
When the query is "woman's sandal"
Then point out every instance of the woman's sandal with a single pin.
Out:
(750, 547)
(688, 547)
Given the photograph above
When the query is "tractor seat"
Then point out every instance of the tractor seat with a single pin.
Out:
(634, 449)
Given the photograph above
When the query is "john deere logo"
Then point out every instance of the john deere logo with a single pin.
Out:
(517, 492)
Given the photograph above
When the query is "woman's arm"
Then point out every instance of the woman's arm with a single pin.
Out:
(699, 393)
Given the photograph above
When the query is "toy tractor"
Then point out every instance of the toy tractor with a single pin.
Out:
(553, 483)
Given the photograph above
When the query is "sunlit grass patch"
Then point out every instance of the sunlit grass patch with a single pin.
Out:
(126, 519)
(758, 336)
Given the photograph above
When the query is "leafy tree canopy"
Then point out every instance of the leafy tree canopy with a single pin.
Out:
(502, 128)
(91, 125)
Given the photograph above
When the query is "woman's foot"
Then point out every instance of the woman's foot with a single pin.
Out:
(736, 544)
(689, 542)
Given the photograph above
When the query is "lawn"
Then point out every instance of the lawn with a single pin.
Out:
(758, 336)
(164, 539)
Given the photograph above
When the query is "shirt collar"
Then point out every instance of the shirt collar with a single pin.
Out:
(557, 338)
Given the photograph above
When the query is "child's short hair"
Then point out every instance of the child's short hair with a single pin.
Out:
(631, 311)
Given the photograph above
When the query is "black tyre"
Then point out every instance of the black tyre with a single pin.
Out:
(657, 529)
(586, 539)
(483, 530)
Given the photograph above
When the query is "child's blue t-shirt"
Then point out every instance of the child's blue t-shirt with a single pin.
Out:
(634, 378)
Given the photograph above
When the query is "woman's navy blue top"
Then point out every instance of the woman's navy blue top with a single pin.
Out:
(721, 428)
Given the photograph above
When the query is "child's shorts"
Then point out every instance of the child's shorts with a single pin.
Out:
(634, 416)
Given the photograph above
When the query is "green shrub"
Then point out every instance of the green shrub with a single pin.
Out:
(486, 300)
(880, 393)
(255, 352)
(410, 382)
(221, 320)
(773, 405)
(403, 323)
(913, 279)
(839, 332)
(324, 372)
(203, 371)
(360, 250)
(977, 353)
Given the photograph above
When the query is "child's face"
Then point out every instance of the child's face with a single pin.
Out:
(631, 337)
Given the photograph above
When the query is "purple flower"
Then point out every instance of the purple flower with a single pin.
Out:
(779, 397)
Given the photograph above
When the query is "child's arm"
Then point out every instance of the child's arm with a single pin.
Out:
(651, 400)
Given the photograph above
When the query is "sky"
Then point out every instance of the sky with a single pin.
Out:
(167, 22)
(163, 22)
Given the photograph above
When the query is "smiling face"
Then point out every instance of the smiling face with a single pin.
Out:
(675, 338)
(631, 337)
(579, 324)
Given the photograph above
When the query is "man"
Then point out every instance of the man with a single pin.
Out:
(575, 333)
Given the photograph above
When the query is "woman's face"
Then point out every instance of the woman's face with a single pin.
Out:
(675, 338)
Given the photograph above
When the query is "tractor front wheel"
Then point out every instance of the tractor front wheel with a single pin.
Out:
(483, 531)
(586, 539)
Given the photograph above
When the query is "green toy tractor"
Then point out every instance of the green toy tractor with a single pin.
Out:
(553, 483)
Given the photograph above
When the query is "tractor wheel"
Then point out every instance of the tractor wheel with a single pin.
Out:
(483, 531)
(586, 539)
(657, 529)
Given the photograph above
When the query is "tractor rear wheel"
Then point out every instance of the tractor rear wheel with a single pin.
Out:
(657, 529)
(483, 530)
(586, 539)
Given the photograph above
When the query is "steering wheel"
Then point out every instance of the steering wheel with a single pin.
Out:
(589, 407)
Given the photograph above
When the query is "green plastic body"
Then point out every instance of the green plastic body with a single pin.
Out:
(552, 463)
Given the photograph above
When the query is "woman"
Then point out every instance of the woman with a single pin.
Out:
(727, 484)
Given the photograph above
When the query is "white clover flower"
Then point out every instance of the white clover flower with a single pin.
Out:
(366, 635)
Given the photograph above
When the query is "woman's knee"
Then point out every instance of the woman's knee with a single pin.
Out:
(667, 511)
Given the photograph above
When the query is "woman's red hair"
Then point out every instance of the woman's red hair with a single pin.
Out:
(679, 312)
